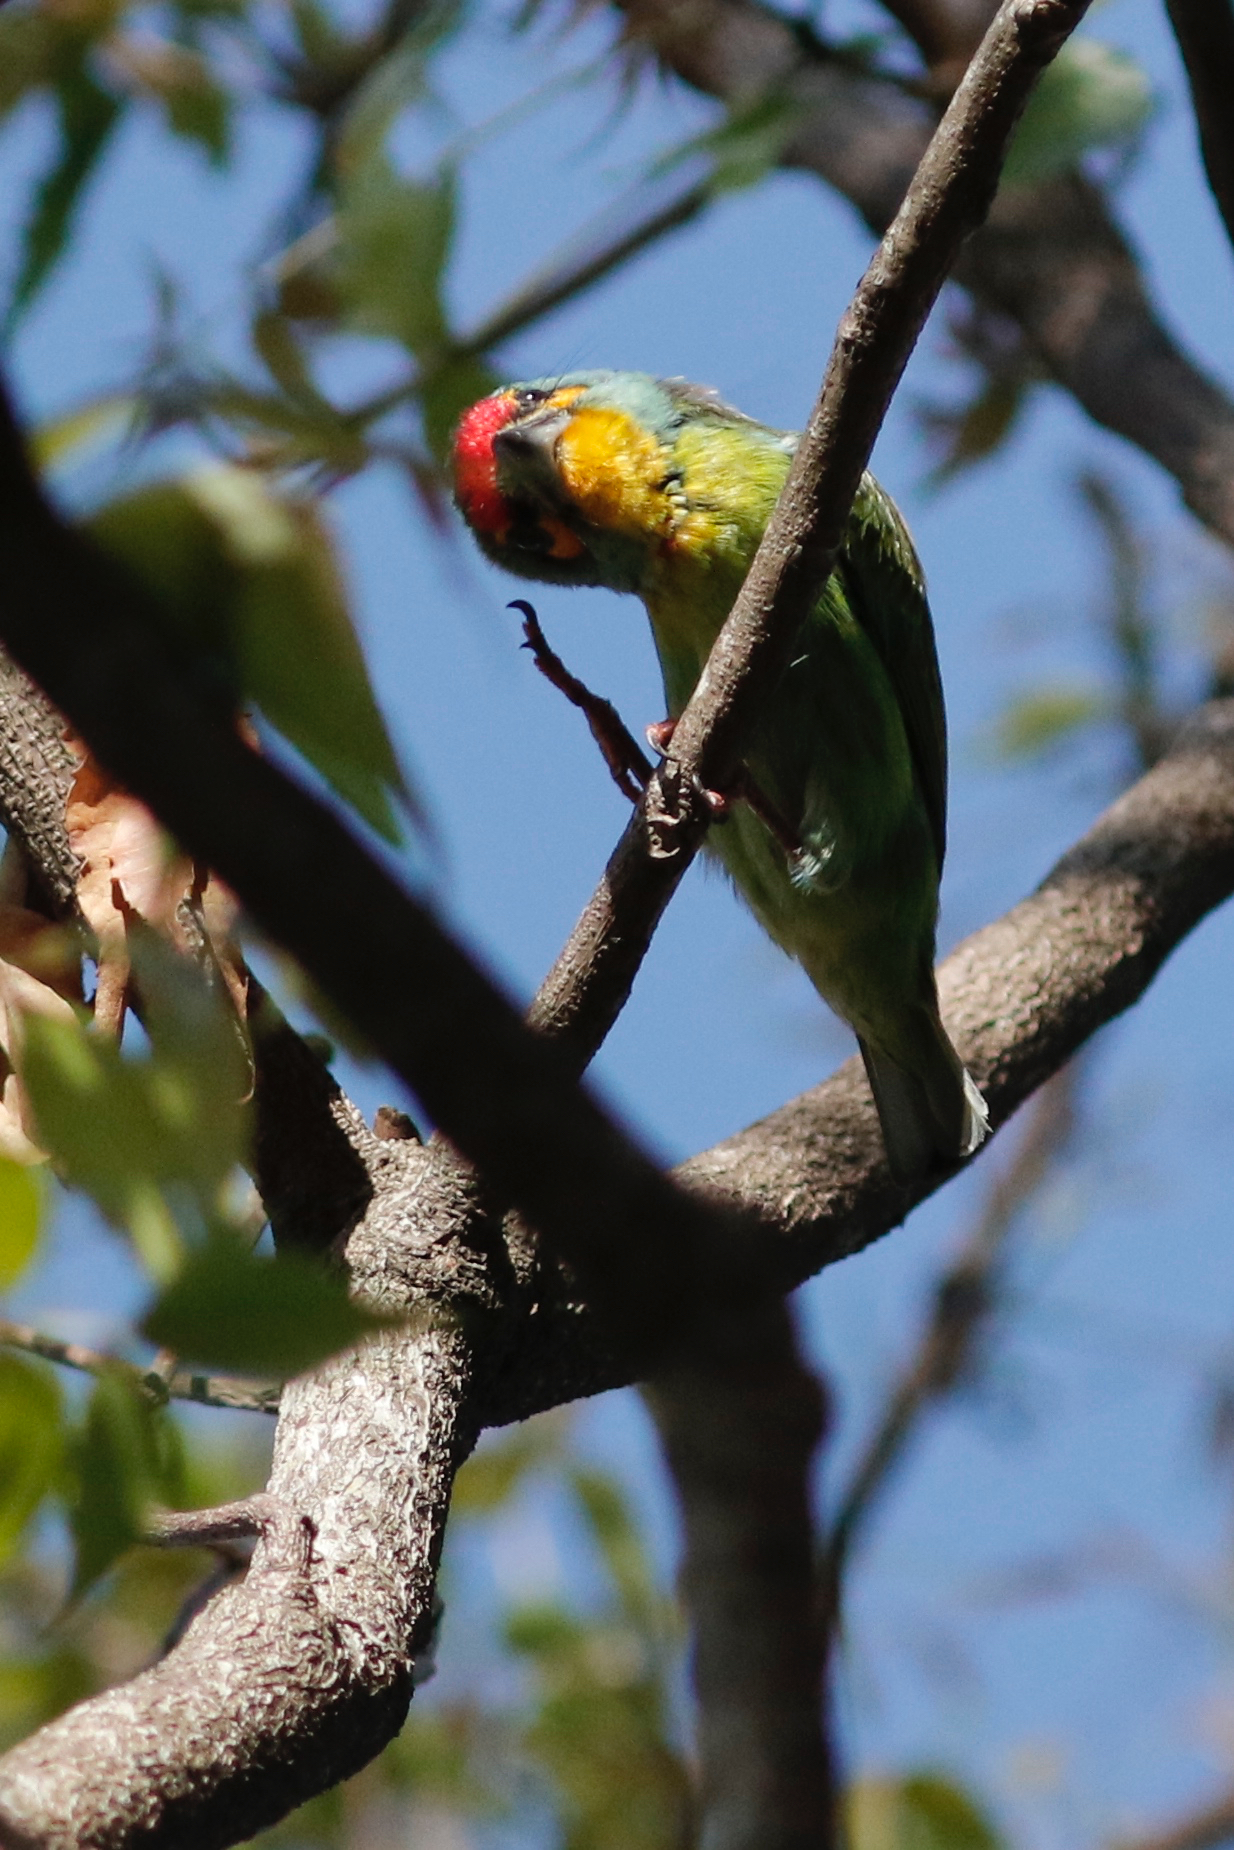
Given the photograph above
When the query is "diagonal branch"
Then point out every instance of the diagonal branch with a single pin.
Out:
(949, 195)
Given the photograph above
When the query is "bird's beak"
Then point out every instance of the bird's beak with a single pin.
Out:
(526, 454)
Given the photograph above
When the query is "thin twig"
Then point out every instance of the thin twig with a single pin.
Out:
(1205, 33)
(182, 1384)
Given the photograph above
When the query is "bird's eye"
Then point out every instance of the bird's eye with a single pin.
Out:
(532, 395)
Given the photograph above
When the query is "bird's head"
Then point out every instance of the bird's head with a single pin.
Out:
(595, 478)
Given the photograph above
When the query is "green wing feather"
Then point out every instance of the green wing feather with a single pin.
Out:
(886, 587)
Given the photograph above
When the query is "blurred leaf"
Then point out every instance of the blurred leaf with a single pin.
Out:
(499, 1466)
(1044, 718)
(445, 394)
(126, 1457)
(145, 1137)
(31, 1444)
(923, 1811)
(276, 342)
(230, 1308)
(181, 81)
(201, 112)
(976, 430)
(90, 423)
(317, 33)
(598, 1734)
(394, 238)
(30, 45)
(87, 114)
(745, 147)
(620, 1542)
(250, 580)
(21, 1213)
(1091, 96)
(36, 1689)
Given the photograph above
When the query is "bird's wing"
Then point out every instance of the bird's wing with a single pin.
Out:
(883, 575)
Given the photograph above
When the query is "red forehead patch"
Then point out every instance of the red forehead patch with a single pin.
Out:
(475, 464)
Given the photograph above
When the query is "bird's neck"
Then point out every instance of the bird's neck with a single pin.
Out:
(731, 479)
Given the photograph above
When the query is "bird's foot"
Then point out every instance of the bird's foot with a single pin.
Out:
(745, 790)
(660, 737)
(627, 762)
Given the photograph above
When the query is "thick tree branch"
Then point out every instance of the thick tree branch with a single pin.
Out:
(1205, 33)
(740, 1418)
(1050, 256)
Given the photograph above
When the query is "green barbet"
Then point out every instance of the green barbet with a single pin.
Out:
(657, 487)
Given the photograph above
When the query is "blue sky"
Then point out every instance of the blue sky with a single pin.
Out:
(1084, 1444)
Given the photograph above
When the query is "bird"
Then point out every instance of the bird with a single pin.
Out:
(659, 488)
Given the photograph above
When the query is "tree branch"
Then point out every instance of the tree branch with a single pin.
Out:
(948, 197)
(1205, 33)
(206, 1390)
(1050, 256)
(740, 1418)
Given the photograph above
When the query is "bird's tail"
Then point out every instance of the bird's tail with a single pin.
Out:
(931, 1113)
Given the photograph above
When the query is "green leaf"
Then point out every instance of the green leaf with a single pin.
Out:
(87, 115)
(30, 47)
(296, 650)
(93, 422)
(249, 579)
(31, 1444)
(617, 1536)
(1044, 718)
(745, 147)
(922, 1811)
(498, 1467)
(125, 1458)
(234, 1309)
(154, 1140)
(974, 431)
(275, 340)
(1091, 96)
(21, 1215)
(394, 238)
(200, 111)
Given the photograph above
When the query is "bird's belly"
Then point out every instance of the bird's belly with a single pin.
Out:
(863, 942)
